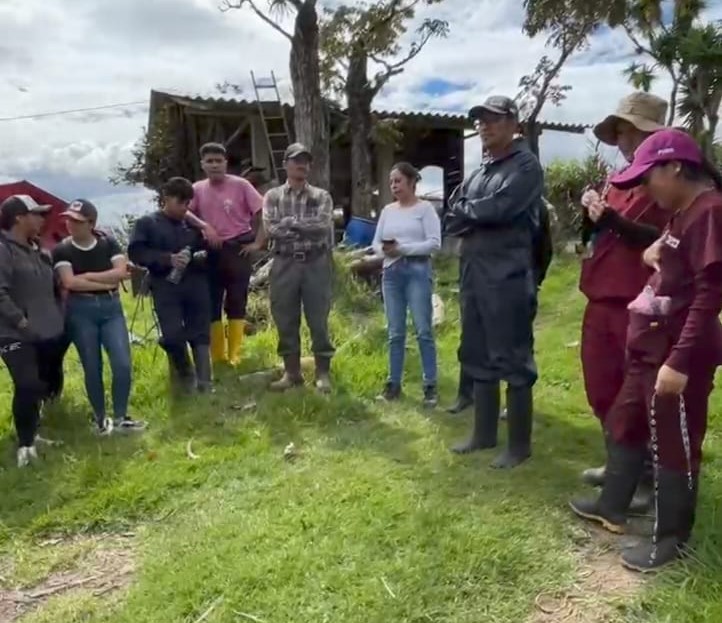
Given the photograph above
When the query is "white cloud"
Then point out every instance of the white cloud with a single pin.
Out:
(103, 54)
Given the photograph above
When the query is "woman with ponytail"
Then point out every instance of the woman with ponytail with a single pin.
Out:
(91, 267)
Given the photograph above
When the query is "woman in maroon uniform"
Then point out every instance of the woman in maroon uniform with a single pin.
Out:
(625, 222)
(674, 345)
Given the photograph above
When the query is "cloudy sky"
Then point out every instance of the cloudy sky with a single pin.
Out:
(59, 55)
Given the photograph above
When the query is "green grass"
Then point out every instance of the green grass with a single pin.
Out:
(375, 521)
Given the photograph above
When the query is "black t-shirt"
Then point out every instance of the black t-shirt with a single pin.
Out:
(96, 258)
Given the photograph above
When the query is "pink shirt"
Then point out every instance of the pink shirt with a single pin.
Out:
(228, 207)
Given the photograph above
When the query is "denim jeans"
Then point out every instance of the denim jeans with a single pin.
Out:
(97, 323)
(407, 284)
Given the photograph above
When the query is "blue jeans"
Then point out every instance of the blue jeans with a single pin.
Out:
(97, 323)
(407, 284)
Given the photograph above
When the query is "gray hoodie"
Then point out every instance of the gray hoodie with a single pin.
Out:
(27, 290)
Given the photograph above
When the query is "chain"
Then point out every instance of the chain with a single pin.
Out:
(654, 439)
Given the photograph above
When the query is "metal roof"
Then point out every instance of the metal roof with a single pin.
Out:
(452, 120)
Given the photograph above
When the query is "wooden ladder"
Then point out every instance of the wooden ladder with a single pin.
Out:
(275, 125)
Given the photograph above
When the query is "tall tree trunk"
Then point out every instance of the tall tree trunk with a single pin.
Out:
(672, 111)
(310, 113)
(531, 134)
(359, 96)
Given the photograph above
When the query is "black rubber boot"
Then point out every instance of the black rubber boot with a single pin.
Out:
(202, 363)
(486, 419)
(519, 415)
(465, 395)
(676, 505)
(594, 476)
(181, 369)
(624, 469)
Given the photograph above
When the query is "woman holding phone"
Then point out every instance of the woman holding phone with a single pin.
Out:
(407, 233)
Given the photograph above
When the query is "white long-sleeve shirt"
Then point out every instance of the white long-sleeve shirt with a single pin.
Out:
(416, 229)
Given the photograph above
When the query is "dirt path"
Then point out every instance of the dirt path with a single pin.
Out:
(600, 582)
(106, 567)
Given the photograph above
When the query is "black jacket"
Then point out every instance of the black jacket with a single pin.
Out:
(499, 213)
(155, 237)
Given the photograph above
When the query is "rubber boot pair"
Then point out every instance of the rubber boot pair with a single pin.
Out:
(227, 351)
(293, 377)
(486, 423)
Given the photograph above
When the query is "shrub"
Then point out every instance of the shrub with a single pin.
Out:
(565, 181)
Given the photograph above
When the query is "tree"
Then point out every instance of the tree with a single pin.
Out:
(310, 114)
(535, 90)
(568, 27)
(700, 94)
(662, 42)
(352, 38)
(151, 158)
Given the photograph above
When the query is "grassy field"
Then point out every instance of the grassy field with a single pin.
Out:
(373, 521)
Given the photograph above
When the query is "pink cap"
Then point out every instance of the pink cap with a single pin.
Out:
(662, 146)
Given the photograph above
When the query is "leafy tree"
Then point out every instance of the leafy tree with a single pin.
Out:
(568, 28)
(310, 112)
(354, 36)
(700, 94)
(151, 158)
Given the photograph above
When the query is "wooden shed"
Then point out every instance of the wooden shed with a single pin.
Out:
(182, 124)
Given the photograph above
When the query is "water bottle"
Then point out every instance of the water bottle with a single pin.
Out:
(177, 273)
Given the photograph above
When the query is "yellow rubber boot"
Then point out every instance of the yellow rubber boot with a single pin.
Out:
(218, 342)
(236, 333)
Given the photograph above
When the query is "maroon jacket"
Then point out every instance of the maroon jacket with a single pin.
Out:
(691, 276)
(615, 272)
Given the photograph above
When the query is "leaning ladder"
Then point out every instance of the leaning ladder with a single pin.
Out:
(275, 125)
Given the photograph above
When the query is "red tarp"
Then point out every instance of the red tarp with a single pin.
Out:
(55, 229)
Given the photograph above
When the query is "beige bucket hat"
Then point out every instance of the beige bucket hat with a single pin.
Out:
(644, 111)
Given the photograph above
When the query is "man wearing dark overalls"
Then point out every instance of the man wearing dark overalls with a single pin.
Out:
(172, 252)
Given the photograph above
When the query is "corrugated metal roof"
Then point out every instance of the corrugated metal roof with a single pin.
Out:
(208, 104)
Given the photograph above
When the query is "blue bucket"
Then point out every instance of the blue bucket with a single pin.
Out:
(360, 231)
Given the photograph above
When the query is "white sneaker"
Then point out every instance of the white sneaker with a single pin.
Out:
(23, 457)
(32, 453)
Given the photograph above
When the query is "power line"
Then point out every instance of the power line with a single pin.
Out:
(69, 112)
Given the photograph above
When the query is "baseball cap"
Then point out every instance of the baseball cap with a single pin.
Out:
(294, 150)
(497, 104)
(19, 205)
(662, 146)
(81, 210)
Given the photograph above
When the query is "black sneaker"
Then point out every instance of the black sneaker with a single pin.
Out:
(431, 396)
(392, 391)
(129, 424)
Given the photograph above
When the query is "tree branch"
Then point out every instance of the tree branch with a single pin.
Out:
(228, 5)
(549, 77)
(394, 69)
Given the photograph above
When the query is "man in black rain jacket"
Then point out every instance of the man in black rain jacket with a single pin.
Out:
(497, 213)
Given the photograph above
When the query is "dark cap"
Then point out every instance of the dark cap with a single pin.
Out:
(294, 150)
(81, 210)
(497, 104)
(20, 205)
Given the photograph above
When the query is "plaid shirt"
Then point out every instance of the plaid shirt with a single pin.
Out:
(298, 221)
